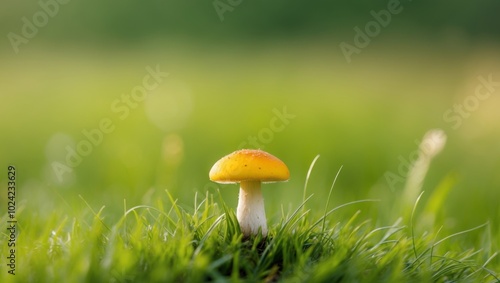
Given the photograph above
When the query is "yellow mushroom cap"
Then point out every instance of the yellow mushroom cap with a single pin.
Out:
(249, 165)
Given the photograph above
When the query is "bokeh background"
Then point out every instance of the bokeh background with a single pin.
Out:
(230, 71)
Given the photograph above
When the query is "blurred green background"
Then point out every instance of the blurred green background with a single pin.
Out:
(228, 75)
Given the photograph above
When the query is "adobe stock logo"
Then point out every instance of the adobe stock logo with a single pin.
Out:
(362, 38)
(222, 7)
(48, 9)
(471, 103)
(277, 124)
(122, 108)
(413, 168)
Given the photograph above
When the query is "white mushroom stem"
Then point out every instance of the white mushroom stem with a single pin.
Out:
(250, 212)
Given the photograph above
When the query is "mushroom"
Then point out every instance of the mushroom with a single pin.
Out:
(250, 167)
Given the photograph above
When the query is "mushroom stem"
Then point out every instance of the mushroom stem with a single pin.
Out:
(250, 212)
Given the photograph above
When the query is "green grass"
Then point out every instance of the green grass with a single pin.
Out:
(170, 242)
